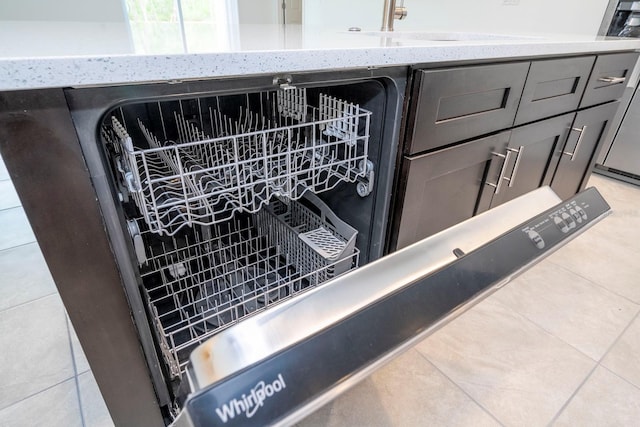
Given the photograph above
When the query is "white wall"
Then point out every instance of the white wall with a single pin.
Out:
(366, 14)
(537, 16)
(62, 10)
(258, 11)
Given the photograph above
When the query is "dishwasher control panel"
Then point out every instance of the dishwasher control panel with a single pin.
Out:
(566, 218)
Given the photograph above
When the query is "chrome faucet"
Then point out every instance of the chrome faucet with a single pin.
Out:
(390, 12)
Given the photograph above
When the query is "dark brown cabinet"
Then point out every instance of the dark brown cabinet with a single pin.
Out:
(444, 188)
(532, 156)
(581, 149)
(451, 185)
(457, 104)
(609, 78)
(553, 87)
(547, 118)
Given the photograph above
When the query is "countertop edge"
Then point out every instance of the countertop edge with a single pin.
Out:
(80, 71)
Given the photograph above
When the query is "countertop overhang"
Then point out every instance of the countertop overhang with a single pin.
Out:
(69, 60)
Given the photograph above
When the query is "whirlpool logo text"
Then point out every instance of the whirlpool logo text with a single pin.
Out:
(249, 403)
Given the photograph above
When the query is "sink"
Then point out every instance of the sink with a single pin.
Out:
(445, 36)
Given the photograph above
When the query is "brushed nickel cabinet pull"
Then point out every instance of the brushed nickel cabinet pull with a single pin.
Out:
(503, 170)
(612, 80)
(582, 131)
(512, 180)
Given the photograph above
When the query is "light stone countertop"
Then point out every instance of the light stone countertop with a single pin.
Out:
(62, 54)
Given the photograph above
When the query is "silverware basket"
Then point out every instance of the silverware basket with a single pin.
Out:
(199, 285)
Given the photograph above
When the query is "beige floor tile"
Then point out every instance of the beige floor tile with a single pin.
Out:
(623, 225)
(8, 196)
(57, 406)
(407, 392)
(14, 228)
(514, 369)
(607, 262)
(619, 194)
(4, 175)
(624, 357)
(36, 351)
(24, 276)
(604, 400)
(573, 309)
(94, 409)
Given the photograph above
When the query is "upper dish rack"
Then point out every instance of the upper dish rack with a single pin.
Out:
(278, 146)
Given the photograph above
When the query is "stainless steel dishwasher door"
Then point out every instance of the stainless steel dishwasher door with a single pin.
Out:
(284, 363)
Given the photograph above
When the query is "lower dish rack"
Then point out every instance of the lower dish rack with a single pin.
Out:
(200, 283)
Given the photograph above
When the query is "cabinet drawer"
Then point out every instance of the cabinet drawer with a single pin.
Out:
(462, 103)
(609, 78)
(443, 188)
(553, 87)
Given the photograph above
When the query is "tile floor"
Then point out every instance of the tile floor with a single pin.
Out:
(560, 345)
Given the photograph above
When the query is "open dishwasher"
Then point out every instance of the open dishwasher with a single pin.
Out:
(224, 199)
(219, 197)
(219, 244)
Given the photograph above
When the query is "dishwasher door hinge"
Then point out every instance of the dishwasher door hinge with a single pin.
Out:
(365, 184)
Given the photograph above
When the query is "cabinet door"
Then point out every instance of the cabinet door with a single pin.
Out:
(462, 103)
(443, 188)
(553, 87)
(581, 150)
(609, 78)
(532, 156)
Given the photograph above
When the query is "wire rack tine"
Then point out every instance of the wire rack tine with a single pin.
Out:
(284, 150)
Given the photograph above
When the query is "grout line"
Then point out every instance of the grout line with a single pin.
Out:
(32, 236)
(551, 333)
(536, 325)
(55, 292)
(18, 246)
(594, 283)
(36, 393)
(575, 392)
(75, 370)
(456, 385)
(534, 322)
(620, 377)
(637, 316)
(598, 364)
(10, 207)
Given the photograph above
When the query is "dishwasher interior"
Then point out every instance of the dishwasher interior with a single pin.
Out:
(234, 202)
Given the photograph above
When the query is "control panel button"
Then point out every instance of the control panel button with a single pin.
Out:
(569, 220)
(582, 213)
(536, 238)
(576, 216)
(561, 224)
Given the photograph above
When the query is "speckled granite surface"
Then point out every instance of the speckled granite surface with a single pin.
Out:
(74, 54)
